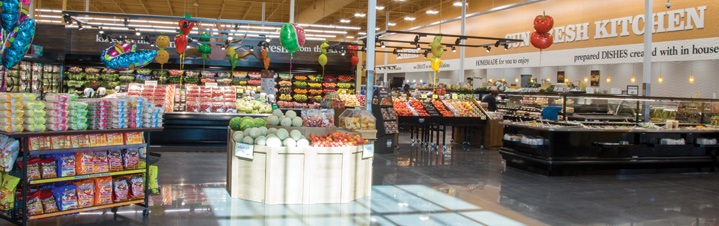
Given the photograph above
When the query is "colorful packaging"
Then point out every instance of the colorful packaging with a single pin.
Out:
(65, 196)
(65, 165)
(60, 142)
(137, 186)
(48, 168)
(131, 159)
(9, 150)
(100, 162)
(57, 127)
(153, 184)
(120, 189)
(85, 193)
(33, 169)
(48, 202)
(40, 143)
(103, 190)
(114, 160)
(134, 138)
(84, 163)
(79, 141)
(34, 204)
(7, 191)
(115, 139)
(97, 140)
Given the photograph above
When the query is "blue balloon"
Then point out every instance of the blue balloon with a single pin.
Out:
(18, 42)
(10, 14)
(132, 60)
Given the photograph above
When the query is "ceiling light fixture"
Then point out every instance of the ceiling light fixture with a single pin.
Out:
(345, 21)
(432, 12)
(382, 44)
(252, 48)
(416, 39)
(506, 46)
(488, 48)
(138, 33)
(79, 25)
(496, 44)
(400, 0)
(391, 24)
(360, 14)
(101, 32)
(409, 18)
(379, 7)
(230, 38)
(454, 49)
(418, 47)
(458, 4)
(126, 22)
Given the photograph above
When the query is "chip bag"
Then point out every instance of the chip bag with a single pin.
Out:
(103, 190)
(65, 196)
(65, 165)
(7, 191)
(137, 186)
(114, 160)
(48, 202)
(34, 204)
(84, 163)
(48, 168)
(85, 193)
(100, 162)
(120, 189)
(33, 169)
(131, 159)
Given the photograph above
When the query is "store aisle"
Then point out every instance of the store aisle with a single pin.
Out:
(469, 188)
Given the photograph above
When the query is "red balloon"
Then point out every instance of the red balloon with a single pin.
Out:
(186, 26)
(543, 23)
(352, 49)
(354, 60)
(300, 35)
(180, 43)
(541, 40)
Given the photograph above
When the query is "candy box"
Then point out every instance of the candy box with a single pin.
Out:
(97, 140)
(134, 138)
(79, 141)
(115, 139)
(60, 142)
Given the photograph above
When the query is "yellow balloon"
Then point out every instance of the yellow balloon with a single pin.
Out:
(434, 63)
(162, 56)
(162, 41)
(322, 59)
(436, 45)
(230, 51)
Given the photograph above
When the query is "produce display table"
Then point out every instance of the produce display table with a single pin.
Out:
(299, 175)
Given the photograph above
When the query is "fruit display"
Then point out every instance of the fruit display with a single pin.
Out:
(291, 104)
(211, 99)
(254, 82)
(253, 106)
(246, 122)
(318, 117)
(330, 85)
(462, 108)
(345, 78)
(391, 127)
(285, 97)
(254, 75)
(299, 84)
(388, 114)
(442, 109)
(300, 78)
(300, 97)
(316, 92)
(357, 119)
(345, 85)
(239, 74)
(350, 100)
(287, 119)
(330, 78)
(336, 139)
(315, 85)
(332, 100)
(284, 83)
(299, 91)
(419, 108)
(430, 109)
(403, 109)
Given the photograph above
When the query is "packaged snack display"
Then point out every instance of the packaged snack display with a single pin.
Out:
(85, 163)
(131, 159)
(153, 184)
(318, 117)
(77, 115)
(34, 204)
(114, 160)
(33, 169)
(9, 150)
(85, 193)
(57, 127)
(100, 162)
(103, 190)
(65, 165)
(137, 187)
(357, 119)
(7, 191)
(48, 168)
(79, 141)
(65, 196)
(115, 139)
(60, 97)
(134, 138)
(60, 142)
(11, 106)
(97, 140)
(12, 128)
(48, 202)
(40, 143)
(98, 113)
(120, 189)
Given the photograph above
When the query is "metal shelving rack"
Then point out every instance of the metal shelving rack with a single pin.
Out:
(19, 217)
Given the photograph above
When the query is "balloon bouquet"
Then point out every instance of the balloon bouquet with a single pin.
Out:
(292, 38)
(352, 50)
(163, 56)
(181, 39)
(435, 61)
(205, 49)
(322, 59)
(18, 31)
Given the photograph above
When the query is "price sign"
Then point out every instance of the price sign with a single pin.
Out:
(151, 82)
(423, 96)
(421, 120)
(434, 96)
(244, 151)
(454, 96)
(211, 84)
(368, 151)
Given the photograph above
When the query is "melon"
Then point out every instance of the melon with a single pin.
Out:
(273, 142)
(246, 132)
(263, 131)
(291, 114)
(303, 143)
(261, 140)
(271, 135)
(297, 122)
(282, 134)
(246, 124)
(273, 120)
(259, 122)
(248, 140)
(277, 112)
(237, 136)
(272, 131)
(255, 132)
(290, 143)
(295, 134)
(235, 123)
(286, 122)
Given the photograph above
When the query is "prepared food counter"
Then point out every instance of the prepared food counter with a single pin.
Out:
(564, 148)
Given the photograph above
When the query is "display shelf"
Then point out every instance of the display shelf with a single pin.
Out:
(87, 176)
(83, 149)
(78, 132)
(41, 216)
(707, 145)
(617, 145)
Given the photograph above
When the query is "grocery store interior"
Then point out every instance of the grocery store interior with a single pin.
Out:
(346, 112)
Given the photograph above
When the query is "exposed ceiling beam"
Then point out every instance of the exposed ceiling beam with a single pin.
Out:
(118, 6)
(246, 12)
(222, 10)
(144, 6)
(320, 9)
(169, 6)
(274, 11)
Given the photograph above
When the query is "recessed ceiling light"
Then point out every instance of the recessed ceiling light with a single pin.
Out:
(346, 21)
(400, 0)
(362, 33)
(409, 18)
(458, 4)
(380, 7)
(432, 12)
(360, 14)
(350, 36)
(391, 24)
(376, 29)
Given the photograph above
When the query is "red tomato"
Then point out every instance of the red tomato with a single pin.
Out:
(541, 40)
(543, 23)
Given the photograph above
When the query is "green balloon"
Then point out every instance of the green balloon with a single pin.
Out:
(205, 37)
(288, 38)
(205, 49)
(323, 47)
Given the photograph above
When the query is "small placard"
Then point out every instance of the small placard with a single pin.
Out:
(454, 96)
(633, 90)
(590, 90)
(368, 151)
(211, 84)
(421, 120)
(244, 151)
(423, 96)
(151, 82)
(434, 96)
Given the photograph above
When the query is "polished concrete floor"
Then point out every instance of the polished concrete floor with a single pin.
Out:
(416, 187)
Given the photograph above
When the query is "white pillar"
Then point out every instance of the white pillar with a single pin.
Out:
(371, 23)
(461, 49)
(647, 72)
(292, 11)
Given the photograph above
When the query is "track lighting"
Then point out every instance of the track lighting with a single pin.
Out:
(252, 49)
(382, 43)
(230, 38)
(395, 52)
(101, 32)
(343, 53)
(506, 46)
(138, 33)
(416, 38)
(67, 18)
(223, 47)
(496, 44)
(425, 53)
(454, 49)
(458, 41)
(488, 48)
(79, 26)
(268, 40)
(126, 22)
(418, 47)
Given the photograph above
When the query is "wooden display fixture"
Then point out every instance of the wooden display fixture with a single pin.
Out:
(299, 175)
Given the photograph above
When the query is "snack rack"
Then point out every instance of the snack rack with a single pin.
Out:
(386, 121)
(18, 215)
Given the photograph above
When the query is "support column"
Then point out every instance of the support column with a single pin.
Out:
(461, 49)
(292, 11)
(647, 66)
(371, 23)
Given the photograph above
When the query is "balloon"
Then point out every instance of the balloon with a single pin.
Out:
(128, 46)
(323, 60)
(162, 41)
(130, 60)
(232, 57)
(266, 62)
(10, 13)
(436, 45)
(541, 40)
(162, 56)
(18, 42)
(264, 53)
(292, 37)
(204, 37)
(185, 25)
(434, 63)
(180, 43)
(300, 35)
(352, 49)
(205, 49)
(323, 47)
(354, 60)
